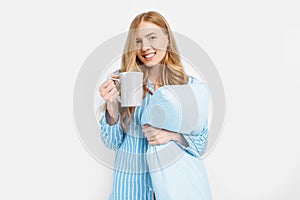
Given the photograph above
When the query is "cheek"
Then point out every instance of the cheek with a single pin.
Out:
(138, 53)
(160, 45)
(165, 44)
(161, 54)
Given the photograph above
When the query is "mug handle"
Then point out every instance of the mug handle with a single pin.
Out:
(118, 85)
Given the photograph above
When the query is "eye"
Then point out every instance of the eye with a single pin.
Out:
(152, 37)
(138, 41)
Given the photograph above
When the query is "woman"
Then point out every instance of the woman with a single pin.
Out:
(150, 48)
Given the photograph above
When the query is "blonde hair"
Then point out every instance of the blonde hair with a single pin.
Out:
(172, 72)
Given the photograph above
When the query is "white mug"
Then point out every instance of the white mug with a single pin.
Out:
(131, 86)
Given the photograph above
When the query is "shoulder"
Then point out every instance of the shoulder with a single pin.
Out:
(195, 83)
(117, 72)
(192, 80)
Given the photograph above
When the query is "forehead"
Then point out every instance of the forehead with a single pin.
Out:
(146, 28)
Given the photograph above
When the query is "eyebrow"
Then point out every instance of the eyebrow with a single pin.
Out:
(148, 35)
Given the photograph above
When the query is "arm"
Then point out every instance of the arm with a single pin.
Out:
(188, 130)
(194, 143)
(111, 131)
(197, 141)
(112, 135)
(157, 136)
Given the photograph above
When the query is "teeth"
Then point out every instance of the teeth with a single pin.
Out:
(149, 55)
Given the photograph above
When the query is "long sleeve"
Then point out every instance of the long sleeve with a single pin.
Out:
(197, 141)
(182, 109)
(111, 135)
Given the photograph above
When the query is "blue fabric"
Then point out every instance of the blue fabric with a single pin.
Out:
(178, 108)
(132, 178)
(182, 177)
(176, 174)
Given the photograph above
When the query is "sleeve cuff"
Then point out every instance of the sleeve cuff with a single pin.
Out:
(188, 149)
(103, 121)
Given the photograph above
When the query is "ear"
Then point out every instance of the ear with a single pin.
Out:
(168, 43)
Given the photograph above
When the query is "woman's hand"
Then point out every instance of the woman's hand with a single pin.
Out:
(156, 136)
(110, 93)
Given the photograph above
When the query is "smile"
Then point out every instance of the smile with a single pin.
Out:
(149, 56)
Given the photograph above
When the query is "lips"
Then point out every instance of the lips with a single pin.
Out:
(149, 56)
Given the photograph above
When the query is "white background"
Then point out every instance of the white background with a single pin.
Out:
(255, 46)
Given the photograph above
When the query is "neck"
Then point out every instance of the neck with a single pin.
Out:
(155, 73)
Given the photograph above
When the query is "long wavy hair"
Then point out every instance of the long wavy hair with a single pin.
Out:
(172, 72)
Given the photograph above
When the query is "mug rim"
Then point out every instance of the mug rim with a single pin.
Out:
(131, 72)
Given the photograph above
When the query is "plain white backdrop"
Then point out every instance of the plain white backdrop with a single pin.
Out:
(255, 46)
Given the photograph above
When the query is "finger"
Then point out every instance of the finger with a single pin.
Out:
(110, 87)
(153, 142)
(115, 79)
(153, 137)
(145, 125)
(103, 87)
(106, 83)
(113, 94)
(103, 92)
(115, 76)
(147, 130)
(113, 91)
(147, 133)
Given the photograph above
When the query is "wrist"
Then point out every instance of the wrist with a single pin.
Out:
(111, 120)
(175, 137)
(112, 113)
(178, 137)
(113, 109)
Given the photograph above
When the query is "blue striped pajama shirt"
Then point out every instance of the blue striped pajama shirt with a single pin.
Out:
(131, 178)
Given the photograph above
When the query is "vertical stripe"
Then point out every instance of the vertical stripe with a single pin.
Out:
(131, 179)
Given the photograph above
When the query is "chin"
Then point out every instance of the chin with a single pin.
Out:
(150, 64)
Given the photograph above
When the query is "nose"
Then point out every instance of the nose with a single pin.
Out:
(146, 45)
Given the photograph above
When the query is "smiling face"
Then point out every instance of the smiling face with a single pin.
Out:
(151, 43)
